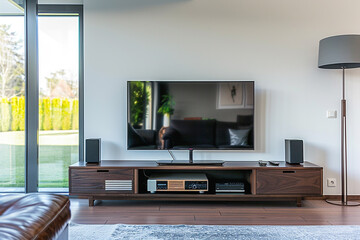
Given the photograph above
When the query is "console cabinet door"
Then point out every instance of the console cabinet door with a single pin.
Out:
(101, 180)
(289, 182)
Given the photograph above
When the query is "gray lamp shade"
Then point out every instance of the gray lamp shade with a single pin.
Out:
(338, 52)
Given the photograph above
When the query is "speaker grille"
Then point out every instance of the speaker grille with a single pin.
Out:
(118, 185)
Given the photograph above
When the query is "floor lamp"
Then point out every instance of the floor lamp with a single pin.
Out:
(341, 52)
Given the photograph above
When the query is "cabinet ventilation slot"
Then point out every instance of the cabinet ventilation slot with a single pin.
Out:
(118, 185)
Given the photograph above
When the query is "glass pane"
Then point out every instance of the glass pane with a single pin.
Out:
(12, 97)
(58, 100)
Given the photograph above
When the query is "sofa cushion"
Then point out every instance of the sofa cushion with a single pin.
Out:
(223, 137)
(33, 216)
(239, 137)
(222, 132)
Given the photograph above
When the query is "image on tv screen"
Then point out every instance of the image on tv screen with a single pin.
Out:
(178, 115)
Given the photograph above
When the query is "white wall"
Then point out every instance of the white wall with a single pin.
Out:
(274, 43)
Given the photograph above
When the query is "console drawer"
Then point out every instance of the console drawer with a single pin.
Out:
(101, 180)
(293, 182)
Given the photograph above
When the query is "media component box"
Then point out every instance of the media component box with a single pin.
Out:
(184, 182)
(230, 187)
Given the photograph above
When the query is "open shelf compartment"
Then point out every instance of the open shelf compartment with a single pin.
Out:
(213, 176)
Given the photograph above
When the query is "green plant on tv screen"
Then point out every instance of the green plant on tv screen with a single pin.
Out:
(139, 98)
(167, 105)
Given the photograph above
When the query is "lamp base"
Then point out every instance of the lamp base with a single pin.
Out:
(341, 203)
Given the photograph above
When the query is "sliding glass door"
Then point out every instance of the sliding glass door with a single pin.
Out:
(59, 38)
(12, 97)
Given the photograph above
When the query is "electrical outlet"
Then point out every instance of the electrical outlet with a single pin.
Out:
(331, 182)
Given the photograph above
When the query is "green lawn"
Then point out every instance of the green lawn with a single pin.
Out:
(58, 150)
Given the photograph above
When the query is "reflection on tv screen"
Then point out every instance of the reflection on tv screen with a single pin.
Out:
(190, 114)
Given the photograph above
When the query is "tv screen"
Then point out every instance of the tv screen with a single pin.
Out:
(179, 115)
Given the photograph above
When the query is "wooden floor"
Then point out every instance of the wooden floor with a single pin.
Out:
(313, 212)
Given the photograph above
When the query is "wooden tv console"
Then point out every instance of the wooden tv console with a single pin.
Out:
(126, 180)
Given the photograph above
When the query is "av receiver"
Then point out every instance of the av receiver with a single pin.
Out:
(230, 187)
(169, 182)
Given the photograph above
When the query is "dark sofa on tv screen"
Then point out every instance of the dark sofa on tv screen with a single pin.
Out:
(141, 138)
(208, 134)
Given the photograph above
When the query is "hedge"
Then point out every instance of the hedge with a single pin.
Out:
(54, 114)
(5, 114)
(75, 115)
(65, 115)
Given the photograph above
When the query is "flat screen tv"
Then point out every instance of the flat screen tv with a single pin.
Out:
(179, 115)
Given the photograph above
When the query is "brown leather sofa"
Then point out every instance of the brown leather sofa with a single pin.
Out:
(34, 216)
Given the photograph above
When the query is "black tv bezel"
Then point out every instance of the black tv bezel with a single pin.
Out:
(191, 81)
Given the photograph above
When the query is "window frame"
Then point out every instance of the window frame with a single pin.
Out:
(31, 96)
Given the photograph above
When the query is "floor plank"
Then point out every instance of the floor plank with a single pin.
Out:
(152, 219)
(313, 212)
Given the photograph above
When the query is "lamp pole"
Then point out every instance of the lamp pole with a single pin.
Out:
(344, 189)
(343, 144)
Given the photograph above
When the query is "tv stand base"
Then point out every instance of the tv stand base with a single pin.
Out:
(187, 163)
(156, 197)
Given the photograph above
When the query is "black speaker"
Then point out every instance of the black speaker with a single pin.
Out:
(93, 150)
(294, 153)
